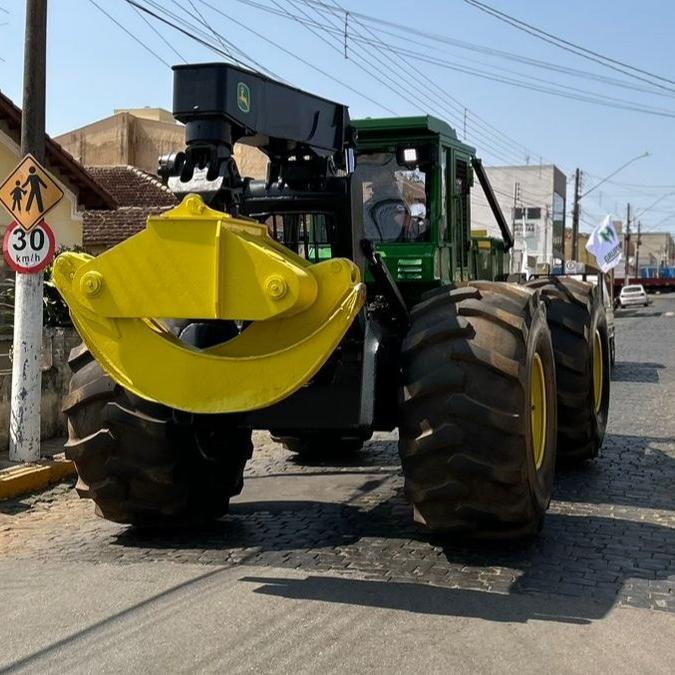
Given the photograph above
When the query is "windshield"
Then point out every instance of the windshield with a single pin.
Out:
(394, 199)
(632, 289)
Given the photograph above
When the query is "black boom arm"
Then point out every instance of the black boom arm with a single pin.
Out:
(304, 136)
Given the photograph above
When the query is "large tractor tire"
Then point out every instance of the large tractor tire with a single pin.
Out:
(477, 433)
(143, 463)
(583, 355)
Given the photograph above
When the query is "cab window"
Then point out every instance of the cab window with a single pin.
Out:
(395, 198)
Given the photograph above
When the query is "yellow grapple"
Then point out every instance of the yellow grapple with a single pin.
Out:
(197, 263)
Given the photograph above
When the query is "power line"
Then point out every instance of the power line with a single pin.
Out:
(452, 102)
(360, 60)
(244, 59)
(566, 70)
(159, 35)
(207, 25)
(178, 28)
(407, 30)
(560, 90)
(298, 58)
(572, 47)
(130, 34)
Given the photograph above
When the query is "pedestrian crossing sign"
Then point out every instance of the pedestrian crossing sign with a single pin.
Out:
(29, 192)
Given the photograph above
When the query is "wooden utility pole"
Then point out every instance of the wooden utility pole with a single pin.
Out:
(516, 198)
(627, 238)
(575, 214)
(637, 250)
(24, 423)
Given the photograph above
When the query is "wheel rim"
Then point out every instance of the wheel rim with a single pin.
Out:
(598, 367)
(538, 405)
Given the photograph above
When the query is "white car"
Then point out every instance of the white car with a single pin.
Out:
(633, 294)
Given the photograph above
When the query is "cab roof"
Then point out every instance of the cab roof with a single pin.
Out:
(400, 128)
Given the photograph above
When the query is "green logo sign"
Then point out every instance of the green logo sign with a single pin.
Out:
(243, 97)
(607, 233)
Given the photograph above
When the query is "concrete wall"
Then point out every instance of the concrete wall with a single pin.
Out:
(124, 139)
(57, 343)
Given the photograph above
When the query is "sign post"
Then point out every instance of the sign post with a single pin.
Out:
(24, 423)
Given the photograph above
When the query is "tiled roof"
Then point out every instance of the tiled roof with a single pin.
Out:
(107, 228)
(90, 194)
(131, 186)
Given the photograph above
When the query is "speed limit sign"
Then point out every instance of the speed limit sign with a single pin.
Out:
(28, 252)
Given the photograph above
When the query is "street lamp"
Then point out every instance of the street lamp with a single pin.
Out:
(578, 197)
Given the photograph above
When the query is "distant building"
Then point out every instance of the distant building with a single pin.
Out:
(533, 202)
(656, 250)
(138, 137)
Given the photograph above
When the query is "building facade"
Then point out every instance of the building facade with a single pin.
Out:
(139, 137)
(656, 250)
(533, 202)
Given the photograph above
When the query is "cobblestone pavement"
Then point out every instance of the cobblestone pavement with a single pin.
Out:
(609, 537)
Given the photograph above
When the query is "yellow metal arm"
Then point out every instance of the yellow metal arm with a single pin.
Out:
(194, 262)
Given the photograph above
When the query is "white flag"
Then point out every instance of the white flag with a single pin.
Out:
(605, 245)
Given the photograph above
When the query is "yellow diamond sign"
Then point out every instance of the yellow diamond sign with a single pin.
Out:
(29, 192)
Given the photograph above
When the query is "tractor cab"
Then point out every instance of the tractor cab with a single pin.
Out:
(415, 176)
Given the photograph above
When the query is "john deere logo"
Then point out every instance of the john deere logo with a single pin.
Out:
(607, 234)
(243, 97)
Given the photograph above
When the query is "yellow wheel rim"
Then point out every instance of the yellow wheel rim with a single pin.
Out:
(538, 410)
(598, 367)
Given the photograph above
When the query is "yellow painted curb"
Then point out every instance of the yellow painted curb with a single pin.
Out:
(19, 480)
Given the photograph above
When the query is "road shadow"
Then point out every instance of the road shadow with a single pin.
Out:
(433, 600)
(641, 312)
(588, 562)
(375, 453)
(637, 371)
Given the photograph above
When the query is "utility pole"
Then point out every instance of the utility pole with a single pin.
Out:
(575, 214)
(516, 197)
(24, 423)
(637, 250)
(627, 238)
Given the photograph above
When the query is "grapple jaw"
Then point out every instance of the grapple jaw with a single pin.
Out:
(197, 263)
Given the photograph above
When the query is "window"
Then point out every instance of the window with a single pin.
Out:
(394, 198)
(462, 188)
(307, 234)
(531, 213)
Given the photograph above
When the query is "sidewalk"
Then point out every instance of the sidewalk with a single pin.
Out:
(17, 479)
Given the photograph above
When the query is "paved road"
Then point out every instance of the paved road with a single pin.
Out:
(319, 567)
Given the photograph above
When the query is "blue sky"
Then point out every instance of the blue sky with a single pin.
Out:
(94, 67)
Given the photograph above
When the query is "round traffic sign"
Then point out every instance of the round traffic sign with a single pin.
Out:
(28, 252)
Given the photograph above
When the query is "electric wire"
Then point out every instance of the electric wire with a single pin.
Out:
(572, 47)
(159, 35)
(449, 100)
(129, 33)
(396, 85)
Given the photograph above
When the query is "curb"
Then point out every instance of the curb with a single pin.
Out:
(20, 480)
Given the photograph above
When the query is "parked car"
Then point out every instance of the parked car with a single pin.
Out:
(633, 294)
